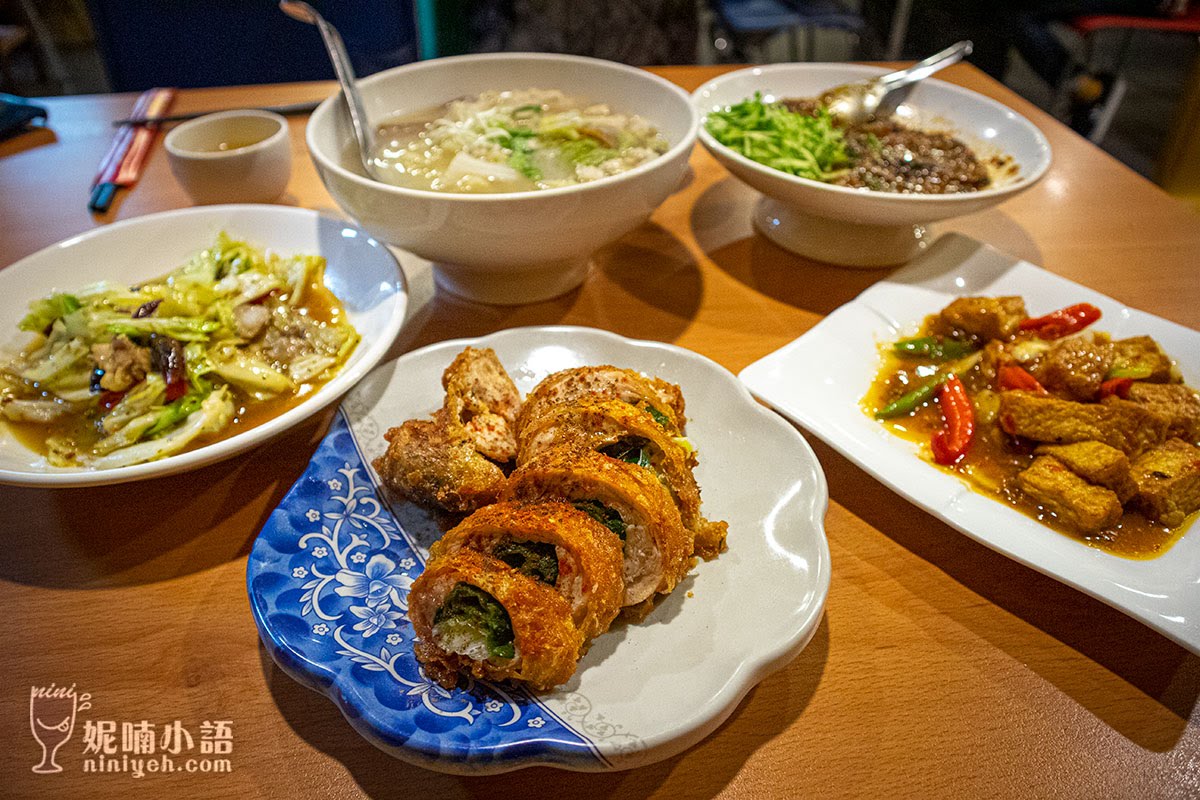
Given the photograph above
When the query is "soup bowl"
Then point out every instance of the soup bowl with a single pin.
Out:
(513, 247)
(862, 227)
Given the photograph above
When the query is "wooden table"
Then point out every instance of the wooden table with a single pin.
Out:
(941, 669)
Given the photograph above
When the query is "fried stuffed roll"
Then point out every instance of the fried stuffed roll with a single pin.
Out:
(553, 543)
(452, 461)
(662, 400)
(435, 463)
(626, 499)
(475, 614)
(481, 397)
(622, 431)
(631, 434)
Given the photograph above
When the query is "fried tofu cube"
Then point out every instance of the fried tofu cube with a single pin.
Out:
(1096, 463)
(986, 317)
(1127, 426)
(1076, 366)
(1168, 479)
(1178, 404)
(1142, 351)
(1078, 505)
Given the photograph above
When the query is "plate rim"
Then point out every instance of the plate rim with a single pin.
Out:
(750, 670)
(61, 478)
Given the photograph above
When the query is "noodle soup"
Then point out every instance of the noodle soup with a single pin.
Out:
(512, 141)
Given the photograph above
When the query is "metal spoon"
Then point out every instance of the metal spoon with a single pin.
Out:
(853, 103)
(297, 9)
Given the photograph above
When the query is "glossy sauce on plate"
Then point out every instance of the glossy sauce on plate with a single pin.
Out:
(992, 465)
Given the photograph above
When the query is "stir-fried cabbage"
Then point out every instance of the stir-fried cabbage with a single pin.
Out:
(118, 375)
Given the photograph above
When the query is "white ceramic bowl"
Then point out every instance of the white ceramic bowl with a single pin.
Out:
(231, 156)
(359, 270)
(860, 227)
(515, 247)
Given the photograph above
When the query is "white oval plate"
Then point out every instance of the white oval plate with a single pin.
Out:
(819, 379)
(360, 271)
(644, 691)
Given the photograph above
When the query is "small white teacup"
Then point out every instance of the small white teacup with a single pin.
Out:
(231, 156)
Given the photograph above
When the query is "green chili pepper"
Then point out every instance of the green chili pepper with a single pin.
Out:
(906, 403)
(933, 347)
(1139, 372)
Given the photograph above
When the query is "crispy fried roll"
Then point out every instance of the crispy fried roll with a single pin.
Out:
(449, 462)
(556, 544)
(622, 431)
(626, 499)
(481, 397)
(434, 463)
(663, 400)
(476, 614)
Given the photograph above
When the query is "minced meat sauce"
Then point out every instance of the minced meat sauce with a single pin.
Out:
(888, 157)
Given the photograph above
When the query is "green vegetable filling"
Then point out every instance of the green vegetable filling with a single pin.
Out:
(602, 514)
(632, 449)
(471, 612)
(659, 417)
(538, 560)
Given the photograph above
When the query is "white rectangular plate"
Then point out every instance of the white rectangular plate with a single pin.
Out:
(819, 380)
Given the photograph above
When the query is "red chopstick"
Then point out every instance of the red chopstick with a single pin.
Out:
(122, 164)
(143, 137)
(120, 143)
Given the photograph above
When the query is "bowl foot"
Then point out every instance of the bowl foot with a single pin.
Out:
(844, 244)
(511, 287)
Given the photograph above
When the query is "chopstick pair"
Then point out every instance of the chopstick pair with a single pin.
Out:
(122, 164)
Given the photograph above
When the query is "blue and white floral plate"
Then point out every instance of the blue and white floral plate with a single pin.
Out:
(329, 577)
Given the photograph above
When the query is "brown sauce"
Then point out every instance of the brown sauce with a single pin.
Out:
(994, 461)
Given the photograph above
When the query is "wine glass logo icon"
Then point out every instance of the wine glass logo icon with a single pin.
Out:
(52, 711)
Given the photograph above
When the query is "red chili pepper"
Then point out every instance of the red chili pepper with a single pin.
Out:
(1116, 386)
(952, 442)
(1063, 322)
(1012, 377)
(176, 390)
(109, 399)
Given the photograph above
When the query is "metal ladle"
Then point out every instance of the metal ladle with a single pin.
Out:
(297, 9)
(853, 103)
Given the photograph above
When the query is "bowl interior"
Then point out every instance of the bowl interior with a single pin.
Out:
(425, 85)
(218, 134)
(984, 124)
